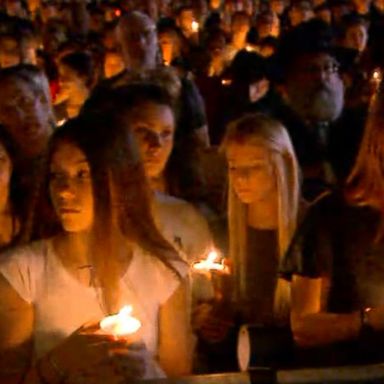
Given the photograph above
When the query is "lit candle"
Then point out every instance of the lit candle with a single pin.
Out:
(376, 77)
(218, 274)
(195, 26)
(210, 264)
(122, 324)
(226, 82)
(250, 48)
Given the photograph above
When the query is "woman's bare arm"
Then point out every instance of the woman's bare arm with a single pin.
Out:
(176, 337)
(16, 324)
(311, 325)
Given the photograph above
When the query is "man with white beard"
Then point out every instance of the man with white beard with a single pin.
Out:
(313, 109)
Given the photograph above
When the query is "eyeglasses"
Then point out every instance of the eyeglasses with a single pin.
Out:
(326, 68)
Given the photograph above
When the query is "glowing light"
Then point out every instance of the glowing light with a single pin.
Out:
(195, 26)
(121, 324)
(226, 82)
(61, 122)
(210, 264)
(250, 48)
(377, 76)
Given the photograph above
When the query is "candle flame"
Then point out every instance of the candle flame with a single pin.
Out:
(210, 263)
(121, 324)
(376, 75)
(195, 26)
(226, 82)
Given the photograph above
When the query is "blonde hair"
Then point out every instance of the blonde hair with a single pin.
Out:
(261, 130)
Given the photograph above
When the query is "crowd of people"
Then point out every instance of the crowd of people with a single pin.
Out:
(137, 136)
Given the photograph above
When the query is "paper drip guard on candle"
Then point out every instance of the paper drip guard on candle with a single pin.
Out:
(259, 346)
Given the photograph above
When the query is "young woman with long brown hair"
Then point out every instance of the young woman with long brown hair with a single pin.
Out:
(106, 254)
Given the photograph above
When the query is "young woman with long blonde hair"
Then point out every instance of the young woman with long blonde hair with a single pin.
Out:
(263, 204)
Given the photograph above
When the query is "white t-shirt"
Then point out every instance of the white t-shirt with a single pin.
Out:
(183, 226)
(62, 304)
(186, 228)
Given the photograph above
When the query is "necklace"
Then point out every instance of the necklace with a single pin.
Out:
(91, 270)
(93, 283)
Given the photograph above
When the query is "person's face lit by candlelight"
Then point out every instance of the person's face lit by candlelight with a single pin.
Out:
(314, 87)
(154, 127)
(278, 6)
(137, 36)
(70, 82)
(240, 24)
(251, 172)
(170, 45)
(301, 12)
(113, 64)
(26, 113)
(356, 37)
(70, 187)
(9, 52)
(185, 21)
(214, 4)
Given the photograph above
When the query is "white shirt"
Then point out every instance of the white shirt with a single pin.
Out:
(62, 304)
(183, 226)
(186, 228)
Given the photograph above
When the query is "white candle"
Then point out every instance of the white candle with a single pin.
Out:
(122, 324)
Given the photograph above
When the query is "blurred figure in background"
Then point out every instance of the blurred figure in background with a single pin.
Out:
(76, 79)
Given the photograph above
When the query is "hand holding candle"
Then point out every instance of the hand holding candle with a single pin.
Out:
(218, 273)
(129, 362)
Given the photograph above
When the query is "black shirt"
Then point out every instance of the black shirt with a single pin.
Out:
(337, 241)
(261, 272)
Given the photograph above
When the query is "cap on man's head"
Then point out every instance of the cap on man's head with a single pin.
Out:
(248, 67)
(314, 36)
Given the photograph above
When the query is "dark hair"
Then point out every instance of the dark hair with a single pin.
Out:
(34, 78)
(19, 30)
(183, 8)
(17, 197)
(82, 63)
(240, 15)
(351, 20)
(125, 98)
(248, 67)
(181, 174)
